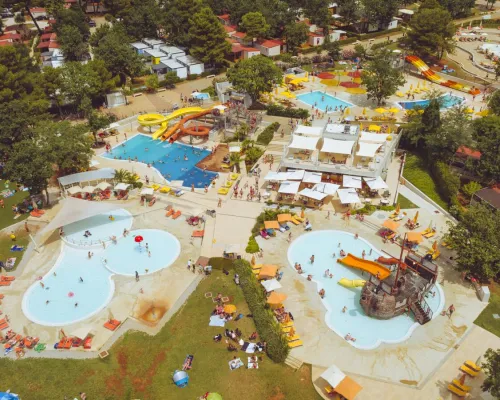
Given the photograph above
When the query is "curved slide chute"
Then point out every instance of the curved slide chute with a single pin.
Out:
(351, 283)
(369, 266)
(158, 119)
(177, 128)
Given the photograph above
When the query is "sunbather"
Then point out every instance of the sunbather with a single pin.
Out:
(217, 338)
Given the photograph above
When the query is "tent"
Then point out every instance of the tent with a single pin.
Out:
(348, 196)
(415, 237)
(74, 190)
(147, 192)
(289, 187)
(122, 186)
(271, 285)
(390, 224)
(349, 181)
(268, 271)
(327, 188)
(313, 194)
(312, 177)
(337, 146)
(368, 149)
(341, 383)
(303, 143)
(376, 183)
(309, 130)
(276, 298)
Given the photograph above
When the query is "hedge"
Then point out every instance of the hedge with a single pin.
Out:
(280, 111)
(252, 246)
(267, 327)
(221, 263)
(447, 183)
(369, 209)
(267, 215)
(267, 134)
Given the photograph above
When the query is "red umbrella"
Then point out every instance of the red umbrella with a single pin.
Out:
(139, 239)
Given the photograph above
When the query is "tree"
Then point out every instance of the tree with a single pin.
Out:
(431, 118)
(278, 15)
(295, 35)
(476, 241)
(98, 121)
(52, 86)
(317, 12)
(208, 38)
(141, 19)
(254, 76)
(100, 33)
(350, 11)
(470, 188)
(494, 102)
(253, 154)
(333, 49)
(72, 44)
(74, 17)
(491, 3)
(254, 25)
(458, 8)
(380, 77)
(431, 31)
(491, 368)
(380, 11)
(152, 82)
(177, 19)
(487, 137)
(360, 51)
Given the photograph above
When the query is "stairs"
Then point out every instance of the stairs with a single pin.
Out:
(422, 314)
(293, 362)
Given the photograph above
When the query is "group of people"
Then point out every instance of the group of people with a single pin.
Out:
(282, 315)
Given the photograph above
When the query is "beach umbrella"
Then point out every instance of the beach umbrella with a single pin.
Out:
(394, 110)
(381, 110)
(389, 130)
(138, 239)
(483, 113)
(398, 209)
(375, 128)
(415, 237)
(415, 218)
(462, 379)
(302, 214)
(214, 396)
(347, 112)
(364, 111)
(435, 245)
(229, 308)
(411, 87)
(469, 111)
(276, 298)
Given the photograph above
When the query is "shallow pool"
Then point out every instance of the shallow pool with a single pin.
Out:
(320, 100)
(369, 332)
(446, 101)
(167, 158)
(201, 96)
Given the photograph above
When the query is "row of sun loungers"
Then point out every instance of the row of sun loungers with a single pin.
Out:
(172, 213)
(459, 388)
(6, 280)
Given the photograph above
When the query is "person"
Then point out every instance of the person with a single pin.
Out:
(378, 275)
(327, 273)
(289, 237)
(219, 203)
(328, 215)
(312, 259)
(451, 310)
(90, 255)
(253, 336)
(87, 233)
(356, 236)
(309, 277)
(217, 338)
(189, 264)
(81, 279)
(125, 232)
(363, 254)
(136, 276)
(344, 309)
(342, 253)
(111, 218)
(76, 304)
(322, 293)
(47, 302)
(42, 285)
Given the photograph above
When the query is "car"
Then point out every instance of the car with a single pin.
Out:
(92, 23)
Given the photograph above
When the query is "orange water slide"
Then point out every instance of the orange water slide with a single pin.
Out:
(177, 128)
(369, 266)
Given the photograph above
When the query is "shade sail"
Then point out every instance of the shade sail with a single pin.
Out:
(348, 196)
(104, 173)
(415, 237)
(312, 194)
(103, 185)
(349, 181)
(337, 146)
(284, 217)
(303, 143)
(367, 149)
(268, 271)
(327, 188)
(271, 225)
(390, 224)
(276, 176)
(341, 128)
(74, 190)
(271, 284)
(147, 192)
(376, 183)
(88, 189)
(333, 376)
(309, 130)
(296, 175)
(276, 298)
(289, 187)
(373, 137)
(341, 383)
(74, 210)
(122, 186)
(312, 177)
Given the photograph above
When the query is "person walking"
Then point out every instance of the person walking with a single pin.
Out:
(136, 276)
(328, 215)
(312, 259)
(451, 310)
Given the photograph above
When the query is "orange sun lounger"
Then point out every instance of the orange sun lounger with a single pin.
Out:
(3, 325)
(169, 212)
(198, 234)
(177, 214)
(112, 324)
(5, 278)
(5, 283)
(1, 296)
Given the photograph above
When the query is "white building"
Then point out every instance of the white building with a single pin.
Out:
(194, 66)
(172, 52)
(269, 48)
(169, 65)
(226, 93)
(153, 43)
(139, 47)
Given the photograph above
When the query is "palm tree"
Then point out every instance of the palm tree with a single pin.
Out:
(235, 160)
(122, 175)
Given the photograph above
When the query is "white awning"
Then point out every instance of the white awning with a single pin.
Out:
(296, 175)
(348, 196)
(368, 149)
(304, 143)
(122, 186)
(337, 146)
(147, 191)
(376, 183)
(271, 285)
(373, 137)
(312, 177)
(327, 188)
(103, 185)
(341, 129)
(234, 149)
(103, 173)
(309, 130)
(88, 189)
(289, 187)
(349, 181)
(276, 176)
(333, 376)
(74, 190)
(313, 194)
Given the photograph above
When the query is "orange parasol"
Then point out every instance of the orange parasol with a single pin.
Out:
(276, 298)
(398, 209)
(435, 246)
(302, 214)
(389, 224)
(415, 218)
(415, 237)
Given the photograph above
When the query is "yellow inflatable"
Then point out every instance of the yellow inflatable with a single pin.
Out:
(351, 283)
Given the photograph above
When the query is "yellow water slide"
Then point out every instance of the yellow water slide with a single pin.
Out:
(369, 266)
(158, 119)
(351, 283)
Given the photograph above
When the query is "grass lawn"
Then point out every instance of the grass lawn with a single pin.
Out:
(416, 172)
(6, 214)
(6, 243)
(404, 203)
(485, 320)
(140, 366)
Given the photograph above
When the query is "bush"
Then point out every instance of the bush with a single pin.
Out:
(221, 263)
(471, 188)
(447, 182)
(252, 246)
(210, 90)
(267, 215)
(267, 327)
(192, 77)
(169, 80)
(280, 111)
(267, 134)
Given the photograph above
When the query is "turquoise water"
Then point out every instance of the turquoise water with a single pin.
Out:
(320, 100)
(369, 332)
(447, 101)
(167, 158)
(204, 96)
(63, 287)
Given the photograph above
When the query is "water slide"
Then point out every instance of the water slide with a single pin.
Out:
(177, 128)
(158, 119)
(369, 266)
(351, 283)
(433, 77)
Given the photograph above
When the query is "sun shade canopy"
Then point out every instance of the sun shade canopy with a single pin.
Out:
(268, 271)
(147, 191)
(349, 181)
(276, 298)
(312, 177)
(367, 149)
(284, 217)
(415, 237)
(308, 130)
(122, 186)
(348, 196)
(312, 194)
(276, 176)
(89, 176)
(88, 189)
(327, 188)
(271, 225)
(373, 137)
(289, 187)
(341, 383)
(103, 185)
(74, 190)
(376, 183)
(390, 224)
(296, 175)
(271, 285)
(337, 146)
(303, 143)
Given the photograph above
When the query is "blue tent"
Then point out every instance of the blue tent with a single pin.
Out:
(180, 378)
(8, 396)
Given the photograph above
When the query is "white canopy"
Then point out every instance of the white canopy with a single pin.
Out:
(103, 185)
(341, 128)
(74, 210)
(74, 190)
(114, 125)
(289, 187)
(337, 146)
(122, 186)
(147, 191)
(313, 194)
(333, 376)
(234, 149)
(376, 183)
(304, 143)
(296, 175)
(348, 196)
(368, 149)
(373, 137)
(276, 176)
(271, 285)
(328, 188)
(349, 181)
(312, 177)
(309, 130)
(88, 189)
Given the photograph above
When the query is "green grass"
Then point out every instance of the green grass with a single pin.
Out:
(485, 320)
(6, 214)
(404, 203)
(416, 172)
(140, 366)
(6, 243)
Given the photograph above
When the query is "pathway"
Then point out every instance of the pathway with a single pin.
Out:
(417, 200)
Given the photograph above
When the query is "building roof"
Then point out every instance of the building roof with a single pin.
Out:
(153, 42)
(224, 17)
(88, 176)
(308, 130)
(140, 45)
(240, 35)
(171, 50)
(270, 43)
(172, 64)
(313, 34)
(38, 10)
(154, 53)
(337, 146)
(490, 195)
(236, 48)
(229, 28)
(5, 43)
(250, 49)
(188, 60)
(466, 151)
(304, 143)
(10, 37)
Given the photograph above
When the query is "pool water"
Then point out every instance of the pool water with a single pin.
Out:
(320, 100)
(63, 287)
(200, 96)
(369, 332)
(167, 158)
(447, 101)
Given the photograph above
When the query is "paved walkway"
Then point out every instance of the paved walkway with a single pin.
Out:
(417, 200)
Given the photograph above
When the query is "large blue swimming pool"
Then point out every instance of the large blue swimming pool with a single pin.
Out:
(447, 101)
(320, 100)
(167, 158)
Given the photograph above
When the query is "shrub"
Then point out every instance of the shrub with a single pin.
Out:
(267, 215)
(280, 111)
(252, 246)
(447, 182)
(169, 80)
(192, 77)
(221, 263)
(210, 90)
(268, 328)
(471, 188)
(267, 134)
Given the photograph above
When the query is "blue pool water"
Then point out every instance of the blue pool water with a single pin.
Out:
(62, 285)
(167, 158)
(322, 100)
(204, 96)
(369, 332)
(447, 101)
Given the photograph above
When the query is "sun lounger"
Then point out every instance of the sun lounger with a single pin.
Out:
(6, 278)
(3, 326)
(300, 219)
(465, 388)
(112, 324)
(179, 193)
(40, 347)
(234, 176)
(426, 231)
(165, 189)
(87, 342)
(398, 218)
(468, 371)
(17, 248)
(472, 365)
(228, 184)
(292, 338)
(223, 191)
(198, 234)
(287, 324)
(329, 390)
(1, 296)
(36, 214)
(226, 166)
(286, 329)
(296, 343)
(169, 212)
(457, 391)
(429, 235)
(295, 221)
(177, 214)
(68, 344)
(4, 283)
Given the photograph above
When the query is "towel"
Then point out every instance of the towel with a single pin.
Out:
(253, 365)
(10, 262)
(235, 364)
(215, 320)
(251, 348)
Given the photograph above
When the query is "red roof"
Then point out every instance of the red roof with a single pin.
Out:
(43, 45)
(11, 36)
(38, 10)
(464, 150)
(270, 43)
(48, 36)
(70, 1)
(250, 49)
(240, 35)
(5, 43)
(224, 17)
(229, 28)
(236, 48)
(53, 45)
(315, 34)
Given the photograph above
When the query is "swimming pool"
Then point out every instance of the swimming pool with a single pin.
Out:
(201, 96)
(54, 303)
(447, 101)
(320, 100)
(369, 332)
(167, 158)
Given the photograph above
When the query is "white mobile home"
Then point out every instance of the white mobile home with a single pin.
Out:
(194, 66)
